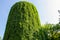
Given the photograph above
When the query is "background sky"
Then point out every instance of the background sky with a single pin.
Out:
(47, 9)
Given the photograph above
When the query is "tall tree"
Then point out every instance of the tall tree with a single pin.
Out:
(23, 21)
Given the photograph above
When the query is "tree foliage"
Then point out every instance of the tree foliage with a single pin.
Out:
(22, 22)
(53, 31)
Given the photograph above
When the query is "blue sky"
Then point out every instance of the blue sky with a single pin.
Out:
(47, 9)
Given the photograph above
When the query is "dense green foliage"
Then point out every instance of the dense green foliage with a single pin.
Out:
(22, 22)
(51, 31)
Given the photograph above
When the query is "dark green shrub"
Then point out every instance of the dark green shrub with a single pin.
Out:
(22, 22)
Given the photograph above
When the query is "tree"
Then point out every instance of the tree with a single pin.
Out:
(53, 31)
(23, 21)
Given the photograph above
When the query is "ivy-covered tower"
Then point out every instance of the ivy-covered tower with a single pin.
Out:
(23, 21)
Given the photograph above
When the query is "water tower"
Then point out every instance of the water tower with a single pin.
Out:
(59, 16)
